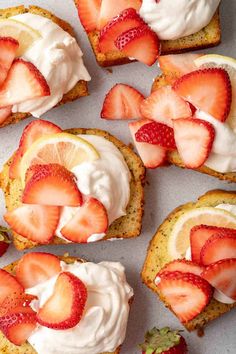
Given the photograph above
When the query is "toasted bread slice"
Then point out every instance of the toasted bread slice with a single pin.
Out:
(6, 346)
(209, 36)
(79, 90)
(173, 156)
(157, 255)
(125, 227)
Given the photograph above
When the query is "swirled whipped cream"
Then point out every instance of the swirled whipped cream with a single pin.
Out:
(176, 19)
(103, 325)
(106, 179)
(58, 57)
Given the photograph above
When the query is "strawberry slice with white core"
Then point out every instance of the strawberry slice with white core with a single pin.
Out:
(5, 112)
(52, 184)
(208, 90)
(122, 102)
(24, 82)
(218, 247)
(91, 218)
(8, 49)
(140, 43)
(88, 11)
(112, 8)
(37, 223)
(187, 294)
(32, 132)
(152, 156)
(35, 268)
(164, 105)
(157, 134)
(17, 327)
(126, 20)
(221, 275)
(183, 266)
(200, 234)
(194, 139)
(64, 309)
(8, 286)
(176, 65)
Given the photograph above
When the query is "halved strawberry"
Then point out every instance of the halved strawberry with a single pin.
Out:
(183, 266)
(52, 184)
(16, 302)
(187, 294)
(32, 132)
(112, 8)
(88, 11)
(5, 112)
(122, 102)
(91, 218)
(8, 49)
(24, 82)
(126, 20)
(207, 89)
(200, 234)
(37, 267)
(140, 43)
(176, 65)
(152, 156)
(64, 309)
(164, 105)
(156, 134)
(8, 285)
(221, 275)
(37, 223)
(218, 247)
(194, 139)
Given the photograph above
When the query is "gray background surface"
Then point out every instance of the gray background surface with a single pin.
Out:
(166, 187)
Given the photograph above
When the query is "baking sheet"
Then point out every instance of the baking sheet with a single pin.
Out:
(166, 187)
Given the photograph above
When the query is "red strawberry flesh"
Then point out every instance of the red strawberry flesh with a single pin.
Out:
(8, 49)
(8, 286)
(183, 266)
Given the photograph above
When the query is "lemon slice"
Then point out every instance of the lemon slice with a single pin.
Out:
(229, 64)
(179, 240)
(25, 34)
(65, 149)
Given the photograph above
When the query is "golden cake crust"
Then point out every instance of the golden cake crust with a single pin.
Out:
(79, 90)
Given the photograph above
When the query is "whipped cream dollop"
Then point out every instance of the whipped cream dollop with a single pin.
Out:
(176, 19)
(58, 57)
(103, 325)
(106, 179)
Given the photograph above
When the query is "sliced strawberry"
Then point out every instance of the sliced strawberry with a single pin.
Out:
(164, 105)
(4, 241)
(65, 307)
(16, 302)
(218, 247)
(34, 268)
(112, 8)
(24, 82)
(187, 294)
(5, 112)
(126, 20)
(221, 275)
(37, 223)
(140, 43)
(8, 285)
(52, 184)
(90, 219)
(152, 156)
(32, 132)
(176, 65)
(194, 139)
(122, 102)
(183, 266)
(88, 11)
(207, 89)
(8, 49)
(199, 236)
(156, 134)
(17, 327)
